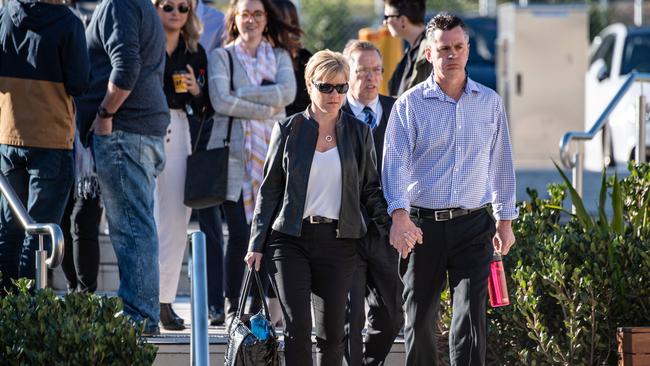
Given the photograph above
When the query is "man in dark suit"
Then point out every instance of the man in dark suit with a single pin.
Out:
(376, 280)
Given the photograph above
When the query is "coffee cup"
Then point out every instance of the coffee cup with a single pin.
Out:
(179, 83)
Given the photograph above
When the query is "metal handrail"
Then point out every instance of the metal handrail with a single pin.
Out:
(600, 122)
(197, 272)
(33, 228)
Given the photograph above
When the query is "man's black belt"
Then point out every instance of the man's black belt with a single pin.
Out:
(443, 214)
(320, 220)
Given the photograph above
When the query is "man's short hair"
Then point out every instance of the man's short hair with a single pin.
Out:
(355, 45)
(444, 22)
(413, 10)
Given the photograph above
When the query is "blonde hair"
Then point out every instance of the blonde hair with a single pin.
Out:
(325, 65)
(191, 31)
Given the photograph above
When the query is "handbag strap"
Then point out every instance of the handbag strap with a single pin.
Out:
(226, 141)
(246, 289)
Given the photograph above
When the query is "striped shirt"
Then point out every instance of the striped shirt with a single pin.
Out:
(440, 153)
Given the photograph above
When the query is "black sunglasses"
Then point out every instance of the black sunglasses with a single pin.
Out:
(181, 8)
(388, 16)
(329, 88)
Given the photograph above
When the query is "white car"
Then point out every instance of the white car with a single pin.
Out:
(614, 54)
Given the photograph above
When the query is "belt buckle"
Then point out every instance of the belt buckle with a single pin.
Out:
(311, 220)
(438, 218)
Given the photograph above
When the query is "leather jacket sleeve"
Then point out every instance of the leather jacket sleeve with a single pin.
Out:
(372, 197)
(271, 192)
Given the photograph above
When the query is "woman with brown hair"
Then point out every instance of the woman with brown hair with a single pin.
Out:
(300, 57)
(258, 46)
(185, 86)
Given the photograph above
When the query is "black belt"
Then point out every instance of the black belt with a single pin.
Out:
(444, 214)
(320, 220)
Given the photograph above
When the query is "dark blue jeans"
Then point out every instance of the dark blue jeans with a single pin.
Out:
(42, 179)
(210, 224)
(127, 167)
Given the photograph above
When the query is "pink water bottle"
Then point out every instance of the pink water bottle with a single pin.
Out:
(497, 288)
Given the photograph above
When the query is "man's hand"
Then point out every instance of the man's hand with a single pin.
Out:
(253, 260)
(403, 233)
(504, 238)
(102, 126)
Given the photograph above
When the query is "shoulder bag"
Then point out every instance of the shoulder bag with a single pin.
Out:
(206, 178)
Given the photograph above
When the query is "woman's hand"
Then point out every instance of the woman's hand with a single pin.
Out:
(190, 81)
(253, 260)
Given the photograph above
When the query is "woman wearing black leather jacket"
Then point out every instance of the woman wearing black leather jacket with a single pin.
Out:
(320, 172)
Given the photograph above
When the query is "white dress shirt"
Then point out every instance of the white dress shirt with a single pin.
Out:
(357, 108)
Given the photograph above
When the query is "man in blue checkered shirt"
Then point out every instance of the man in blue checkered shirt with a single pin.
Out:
(447, 155)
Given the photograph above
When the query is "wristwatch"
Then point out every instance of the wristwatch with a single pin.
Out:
(103, 113)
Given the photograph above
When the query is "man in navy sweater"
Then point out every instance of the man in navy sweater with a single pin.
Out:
(43, 64)
(125, 116)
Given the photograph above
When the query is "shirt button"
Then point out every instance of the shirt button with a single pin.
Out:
(456, 169)
(459, 127)
(455, 191)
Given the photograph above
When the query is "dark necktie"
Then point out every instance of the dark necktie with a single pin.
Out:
(371, 119)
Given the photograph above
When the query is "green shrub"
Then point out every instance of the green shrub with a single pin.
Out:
(40, 328)
(574, 279)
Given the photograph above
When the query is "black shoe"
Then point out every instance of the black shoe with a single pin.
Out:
(216, 316)
(176, 316)
(167, 319)
(151, 331)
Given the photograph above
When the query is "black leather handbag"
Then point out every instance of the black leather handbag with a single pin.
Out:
(206, 177)
(244, 348)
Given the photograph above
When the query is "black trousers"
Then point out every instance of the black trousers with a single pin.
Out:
(80, 226)
(236, 246)
(316, 270)
(234, 253)
(376, 282)
(460, 250)
(210, 223)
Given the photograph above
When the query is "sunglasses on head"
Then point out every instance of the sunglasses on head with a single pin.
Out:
(327, 88)
(182, 8)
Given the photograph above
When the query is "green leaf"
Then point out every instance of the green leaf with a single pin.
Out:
(581, 212)
(618, 223)
(604, 225)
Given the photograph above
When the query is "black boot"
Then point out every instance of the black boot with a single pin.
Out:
(216, 316)
(230, 308)
(176, 316)
(167, 319)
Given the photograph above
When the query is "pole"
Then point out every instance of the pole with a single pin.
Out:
(578, 169)
(640, 142)
(200, 355)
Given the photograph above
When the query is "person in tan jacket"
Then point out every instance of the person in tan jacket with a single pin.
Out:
(43, 63)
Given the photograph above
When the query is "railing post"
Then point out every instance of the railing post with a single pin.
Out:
(41, 265)
(640, 142)
(578, 168)
(199, 353)
(32, 228)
